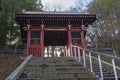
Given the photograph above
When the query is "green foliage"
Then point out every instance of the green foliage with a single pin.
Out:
(106, 28)
(8, 30)
(118, 50)
(103, 8)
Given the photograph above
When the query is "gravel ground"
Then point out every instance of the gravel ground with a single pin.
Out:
(8, 63)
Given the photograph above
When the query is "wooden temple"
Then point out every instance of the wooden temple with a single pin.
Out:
(40, 29)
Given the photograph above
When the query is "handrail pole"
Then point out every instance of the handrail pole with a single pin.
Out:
(71, 51)
(100, 61)
(75, 53)
(79, 57)
(91, 66)
(84, 60)
(67, 52)
(103, 54)
(96, 52)
(114, 68)
(100, 65)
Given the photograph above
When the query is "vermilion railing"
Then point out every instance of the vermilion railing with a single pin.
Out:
(35, 50)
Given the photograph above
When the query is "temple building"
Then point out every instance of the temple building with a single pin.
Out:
(41, 29)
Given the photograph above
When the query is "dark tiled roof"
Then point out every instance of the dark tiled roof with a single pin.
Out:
(75, 17)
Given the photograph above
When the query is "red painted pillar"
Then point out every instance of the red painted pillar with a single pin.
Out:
(83, 39)
(69, 41)
(42, 43)
(28, 42)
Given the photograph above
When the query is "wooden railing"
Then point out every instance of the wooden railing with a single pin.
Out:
(35, 51)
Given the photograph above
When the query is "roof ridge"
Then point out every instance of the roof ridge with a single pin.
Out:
(52, 12)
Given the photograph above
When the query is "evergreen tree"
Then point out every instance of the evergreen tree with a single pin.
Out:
(8, 30)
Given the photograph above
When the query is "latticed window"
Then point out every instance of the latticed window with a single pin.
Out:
(76, 38)
(35, 37)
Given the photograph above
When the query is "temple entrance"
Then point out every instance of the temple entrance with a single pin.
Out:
(55, 38)
(55, 42)
(43, 29)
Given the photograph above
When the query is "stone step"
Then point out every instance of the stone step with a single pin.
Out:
(56, 69)
(54, 59)
(61, 71)
(58, 75)
(96, 71)
(62, 62)
(69, 72)
(106, 74)
(58, 79)
(56, 65)
(110, 78)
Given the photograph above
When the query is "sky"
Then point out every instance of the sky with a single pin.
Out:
(61, 5)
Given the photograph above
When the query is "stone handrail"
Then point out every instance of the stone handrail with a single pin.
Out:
(16, 73)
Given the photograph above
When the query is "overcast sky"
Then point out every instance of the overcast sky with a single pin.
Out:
(61, 5)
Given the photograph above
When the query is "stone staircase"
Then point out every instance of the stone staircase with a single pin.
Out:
(107, 75)
(56, 69)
